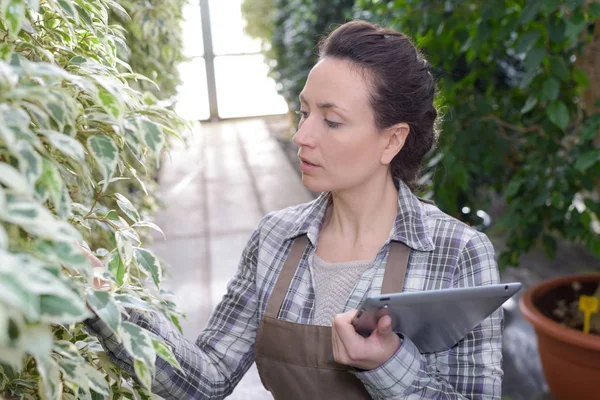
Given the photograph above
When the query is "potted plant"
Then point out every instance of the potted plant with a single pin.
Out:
(570, 358)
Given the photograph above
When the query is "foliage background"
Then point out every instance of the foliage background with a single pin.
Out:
(79, 144)
(518, 84)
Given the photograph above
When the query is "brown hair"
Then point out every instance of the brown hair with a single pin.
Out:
(402, 87)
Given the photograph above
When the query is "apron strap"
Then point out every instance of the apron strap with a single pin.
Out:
(393, 278)
(285, 276)
(395, 268)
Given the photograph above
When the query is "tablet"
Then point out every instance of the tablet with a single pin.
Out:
(435, 320)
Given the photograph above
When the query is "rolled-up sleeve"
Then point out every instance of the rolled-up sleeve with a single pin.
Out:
(214, 364)
(470, 370)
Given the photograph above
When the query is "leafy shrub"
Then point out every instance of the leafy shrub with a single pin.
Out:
(71, 130)
(519, 120)
(154, 43)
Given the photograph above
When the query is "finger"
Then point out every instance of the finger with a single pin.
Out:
(384, 326)
(345, 329)
(337, 351)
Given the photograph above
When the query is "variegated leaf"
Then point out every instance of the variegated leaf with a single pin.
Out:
(50, 382)
(165, 352)
(106, 154)
(149, 263)
(149, 225)
(138, 344)
(66, 144)
(52, 179)
(30, 162)
(152, 135)
(129, 301)
(96, 381)
(12, 178)
(13, 13)
(144, 373)
(126, 206)
(102, 303)
(125, 247)
(116, 267)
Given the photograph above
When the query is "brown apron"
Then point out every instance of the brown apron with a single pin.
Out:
(295, 361)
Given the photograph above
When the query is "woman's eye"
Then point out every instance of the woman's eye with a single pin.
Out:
(332, 124)
(302, 114)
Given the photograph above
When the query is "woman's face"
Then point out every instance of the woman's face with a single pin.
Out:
(339, 144)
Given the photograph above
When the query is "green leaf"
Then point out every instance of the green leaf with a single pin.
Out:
(152, 135)
(106, 154)
(575, 25)
(102, 303)
(65, 144)
(586, 160)
(116, 267)
(527, 41)
(13, 179)
(144, 373)
(128, 208)
(594, 9)
(559, 69)
(125, 247)
(149, 263)
(534, 58)
(165, 352)
(513, 187)
(14, 13)
(550, 89)
(530, 11)
(529, 104)
(558, 114)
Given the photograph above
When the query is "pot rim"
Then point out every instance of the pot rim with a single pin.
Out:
(549, 326)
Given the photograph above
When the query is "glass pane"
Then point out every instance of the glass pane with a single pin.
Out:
(192, 94)
(192, 30)
(244, 89)
(227, 27)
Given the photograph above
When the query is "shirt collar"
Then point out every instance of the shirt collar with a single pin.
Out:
(409, 228)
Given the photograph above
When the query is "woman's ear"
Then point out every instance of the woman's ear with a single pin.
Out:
(396, 137)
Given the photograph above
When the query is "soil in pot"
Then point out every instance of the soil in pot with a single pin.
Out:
(561, 304)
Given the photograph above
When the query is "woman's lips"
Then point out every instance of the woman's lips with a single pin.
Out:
(306, 166)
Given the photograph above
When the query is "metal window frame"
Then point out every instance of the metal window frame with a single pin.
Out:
(209, 60)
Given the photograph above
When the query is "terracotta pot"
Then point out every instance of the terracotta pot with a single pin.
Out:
(570, 358)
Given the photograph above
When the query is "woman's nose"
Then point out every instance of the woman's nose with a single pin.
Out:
(304, 136)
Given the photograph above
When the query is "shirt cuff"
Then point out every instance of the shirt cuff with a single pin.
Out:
(396, 376)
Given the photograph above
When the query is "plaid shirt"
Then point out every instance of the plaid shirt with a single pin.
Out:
(445, 253)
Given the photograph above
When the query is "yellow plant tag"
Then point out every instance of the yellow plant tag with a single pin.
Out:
(589, 306)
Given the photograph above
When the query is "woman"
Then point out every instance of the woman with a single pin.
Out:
(367, 121)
